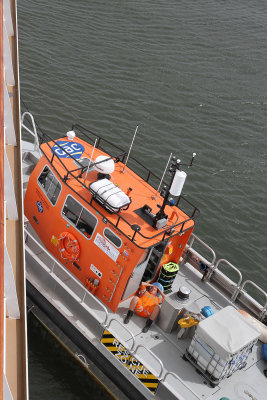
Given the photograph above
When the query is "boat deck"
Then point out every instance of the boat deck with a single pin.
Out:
(167, 347)
(159, 349)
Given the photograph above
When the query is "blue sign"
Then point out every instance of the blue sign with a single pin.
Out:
(40, 207)
(74, 149)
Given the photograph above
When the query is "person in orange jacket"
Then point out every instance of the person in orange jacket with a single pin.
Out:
(147, 303)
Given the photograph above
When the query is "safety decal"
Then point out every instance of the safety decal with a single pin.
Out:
(106, 247)
(138, 369)
(54, 240)
(40, 207)
(64, 148)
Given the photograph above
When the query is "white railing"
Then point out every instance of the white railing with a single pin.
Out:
(237, 289)
(180, 382)
(126, 329)
(154, 357)
(33, 132)
(194, 238)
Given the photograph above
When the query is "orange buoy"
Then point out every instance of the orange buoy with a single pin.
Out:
(69, 246)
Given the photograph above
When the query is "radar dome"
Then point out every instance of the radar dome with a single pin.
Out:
(71, 135)
(104, 164)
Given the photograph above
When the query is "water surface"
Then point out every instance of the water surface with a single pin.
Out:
(191, 74)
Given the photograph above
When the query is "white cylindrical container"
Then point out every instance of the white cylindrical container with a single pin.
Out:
(178, 183)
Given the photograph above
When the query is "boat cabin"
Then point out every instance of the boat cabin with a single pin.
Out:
(103, 220)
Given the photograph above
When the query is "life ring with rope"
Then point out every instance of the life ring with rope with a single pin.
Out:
(69, 246)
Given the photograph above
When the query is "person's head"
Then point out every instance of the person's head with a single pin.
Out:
(154, 289)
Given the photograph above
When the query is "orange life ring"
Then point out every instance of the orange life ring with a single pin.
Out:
(69, 246)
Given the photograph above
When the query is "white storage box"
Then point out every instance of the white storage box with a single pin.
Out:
(109, 195)
(221, 344)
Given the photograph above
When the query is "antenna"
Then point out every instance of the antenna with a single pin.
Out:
(163, 176)
(193, 156)
(90, 161)
(174, 168)
(130, 148)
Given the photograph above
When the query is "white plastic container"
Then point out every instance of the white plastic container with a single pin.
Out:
(178, 183)
(222, 344)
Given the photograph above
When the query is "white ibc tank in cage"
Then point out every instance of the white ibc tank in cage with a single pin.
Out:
(178, 183)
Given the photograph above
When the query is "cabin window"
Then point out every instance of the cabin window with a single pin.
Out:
(81, 218)
(50, 184)
(112, 237)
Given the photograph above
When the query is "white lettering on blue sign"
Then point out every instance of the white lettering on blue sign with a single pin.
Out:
(40, 207)
(64, 149)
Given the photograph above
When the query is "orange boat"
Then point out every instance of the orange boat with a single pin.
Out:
(105, 223)
(96, 228)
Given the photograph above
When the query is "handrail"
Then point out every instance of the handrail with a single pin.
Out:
(128, 331)
(234, 295)
(182, 382)
(213, 267)
(154, 356)
(256, 287)
(191, 242)
(86, 292)
(85, 132)
(34, 133)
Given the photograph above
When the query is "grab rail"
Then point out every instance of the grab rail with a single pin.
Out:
(180, 381)
(234, 295)
(195, 258)
(256, 287)
(34, 133)
(154, 356)
(191, 242)
(189, 248)
(51, 271)
(126, 329)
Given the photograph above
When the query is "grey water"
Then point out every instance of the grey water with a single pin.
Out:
(192, 74)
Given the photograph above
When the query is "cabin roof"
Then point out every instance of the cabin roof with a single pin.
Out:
(66, 164)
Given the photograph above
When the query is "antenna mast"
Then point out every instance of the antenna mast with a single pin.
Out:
(130, 148)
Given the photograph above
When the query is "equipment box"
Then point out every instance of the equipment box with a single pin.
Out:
(221, 344)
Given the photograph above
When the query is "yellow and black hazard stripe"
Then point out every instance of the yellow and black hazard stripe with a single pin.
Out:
(107, 340)
(149, 381)
(118, 350)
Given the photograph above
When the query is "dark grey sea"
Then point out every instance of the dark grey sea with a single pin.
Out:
(192, 74)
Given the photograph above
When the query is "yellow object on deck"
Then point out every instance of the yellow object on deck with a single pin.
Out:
(187, 322)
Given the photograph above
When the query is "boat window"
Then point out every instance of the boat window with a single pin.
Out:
(81, 218)
(86, 223)
(72, 210)
(49, 184)
(112, 237)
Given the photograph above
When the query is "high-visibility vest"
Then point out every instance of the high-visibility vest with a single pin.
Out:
(146, 303)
